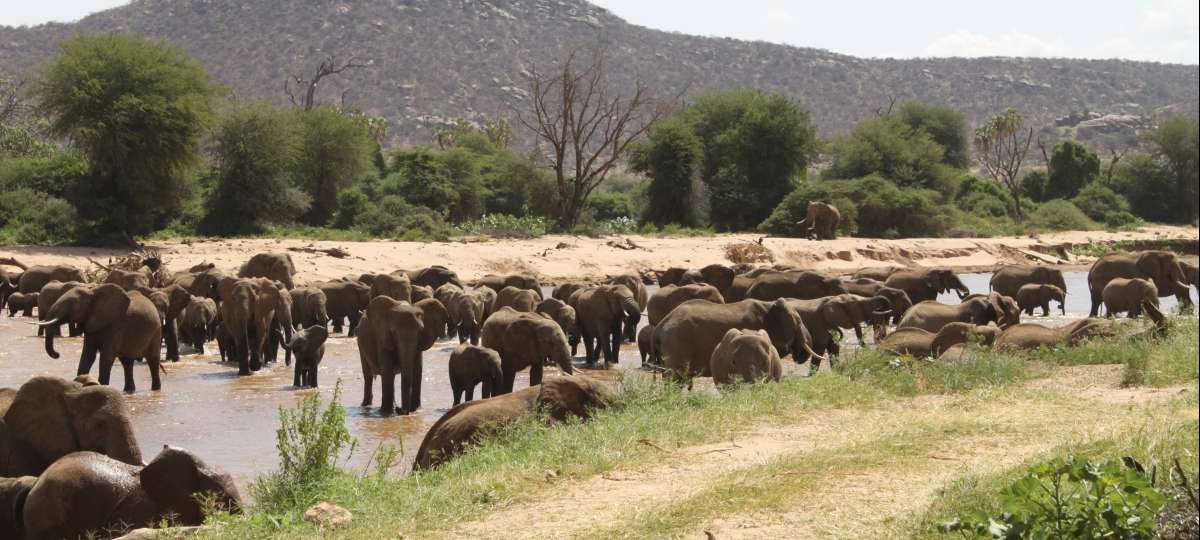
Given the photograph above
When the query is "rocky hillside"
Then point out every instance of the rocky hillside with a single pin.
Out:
(433, 60)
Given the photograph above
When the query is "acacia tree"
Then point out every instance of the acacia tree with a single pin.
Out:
(586, 125)
(1002, 144)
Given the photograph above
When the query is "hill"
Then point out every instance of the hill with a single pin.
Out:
(434, 60)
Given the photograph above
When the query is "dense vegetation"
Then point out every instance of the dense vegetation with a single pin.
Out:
(124, 136)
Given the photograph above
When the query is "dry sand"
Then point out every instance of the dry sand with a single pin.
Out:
(559, 258)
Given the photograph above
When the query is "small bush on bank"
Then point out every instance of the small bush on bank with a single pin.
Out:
(1060, 215)
(31, 217)
(505, 226)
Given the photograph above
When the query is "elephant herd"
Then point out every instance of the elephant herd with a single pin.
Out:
(733, 323)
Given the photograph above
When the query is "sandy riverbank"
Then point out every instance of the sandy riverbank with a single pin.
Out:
(561, 257)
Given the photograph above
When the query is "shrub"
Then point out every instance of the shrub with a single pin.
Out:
(1070, 498)
(609, 205)
(352, 203)
(394, 217)
(505, 226)
(1033, 185)
(1060, 215)
(1097, 202)
(31, 217)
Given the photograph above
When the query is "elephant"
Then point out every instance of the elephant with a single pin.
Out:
(202, 281)
(564, 291)
(717, 275)
(433, 277)
(525, 340)
(925, 284)
(8, 283)
(1035, 295)
(49, 417)
(198, 324)
(603, 312)
(932, 316)
(671, 276)
(84, 493)
(745, 356)
(35, 277)
(116, 324)
(920, 343)
(688, 334)
(667, 298)
(420, 292)
(1032, 336)
(1007, 280)
(470, 365)
(435, 317)
(463, 425)
(635, 285)
(897, 299)
(645, 342)
(23, 302)
(49, 294)
(1160, 267)
(820, 221)
(272, 313)
(170, 302)
(345, 300)
(391, 340)
(523, 300)
(565, 316)
(397, 287)
(799, 284)
(824, 316)
(131, 279)
(448, 294)
(736, 291)
(274, 266)
(309, 307)
(1126, 295)
(238, 297)
(877, 274)
(521, 281)
(308, 346)
(470, 310)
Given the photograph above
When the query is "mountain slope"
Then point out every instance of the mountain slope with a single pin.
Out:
(432, 60)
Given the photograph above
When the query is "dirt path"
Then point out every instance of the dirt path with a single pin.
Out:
(560, 257)
(849, 473)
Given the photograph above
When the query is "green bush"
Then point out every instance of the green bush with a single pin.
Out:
(1033, 185)
(1060, 215)
(394, 217)
(352, 203)
(505, 226)
(984, 205)
(606, 206)
(1070, 498)
(1097, 202)
(31, 217)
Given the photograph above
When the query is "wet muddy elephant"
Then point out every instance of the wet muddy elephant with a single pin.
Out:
(1160, 267)
(198, 324)
(308, 346)
(391, 340)
(926, 284)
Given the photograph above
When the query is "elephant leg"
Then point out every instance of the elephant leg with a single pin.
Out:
(353, 329)
(1096, 301)
(367, 389)
(127, 367)
(858, 333)
(337, 324)
(298, 375)
(418, 369)
(1045, 309)
(154, 362)
(88, 355)
(510, 378)
(406, 391)
(171, 340)
(312, 375)
(588, 347)
(106, 363)
(74, 330)
(470, 392)
(535, 374)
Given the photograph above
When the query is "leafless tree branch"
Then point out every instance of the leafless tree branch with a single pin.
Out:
(328, 67)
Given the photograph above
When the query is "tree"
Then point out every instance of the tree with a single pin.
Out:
(671, 158)
(947, 126)
(335, 150)
(1002, 144)
(447, 182)
(135, 109)
(1148, 185)
(1072, 166)
(891, 148)
(254, 149)
(587, 126)
(1175, 142)
(328, 67)
(20, 128)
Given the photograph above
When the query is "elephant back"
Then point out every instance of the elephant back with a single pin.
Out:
(575, 395)
(460, 425)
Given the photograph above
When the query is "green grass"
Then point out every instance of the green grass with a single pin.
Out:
(908, 376)
(1171, 361)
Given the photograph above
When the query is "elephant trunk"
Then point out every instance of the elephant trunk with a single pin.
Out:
(50, 333)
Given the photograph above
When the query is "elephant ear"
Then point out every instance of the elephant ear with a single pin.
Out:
(38, 419)
(718, 275)
(170, 480)
(837, 313)
(100, 421)
(1151, 264)
(426, 333)
(109, 304)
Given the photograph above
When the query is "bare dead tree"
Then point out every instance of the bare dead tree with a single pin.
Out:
(328, 67)
(587, 127)
(1045, 155)
(1112, 164)
(11, 105)
(1002, 144)
(880, 112)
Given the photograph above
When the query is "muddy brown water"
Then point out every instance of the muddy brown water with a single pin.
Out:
(230, 421)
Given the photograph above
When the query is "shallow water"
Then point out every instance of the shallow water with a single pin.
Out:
(230, 421)
(1079, 300)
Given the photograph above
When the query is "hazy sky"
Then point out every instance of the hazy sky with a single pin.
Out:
(1159, 30)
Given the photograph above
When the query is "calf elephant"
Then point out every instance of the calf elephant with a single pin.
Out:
(391, 340)
(86, 492)
(523, 300)
(308, 346)
(645, 342)
(1122, 295)
(745, 356)
(528, 282)
(469, 309)
(798, 284)
(877, 274)
(925, 284)
(1008, 280)
(198, 324)
(525, 340)
(602, 314)
(1159, 267)
(897, 299)
(820, 221)
(462, 426)
(1035, 295)
(932, 316)
(23, 302)
(116, 324)
(472, 365)
(274, 266)
(345, 300)
(635, 286)
(48, 418)
(667, 298)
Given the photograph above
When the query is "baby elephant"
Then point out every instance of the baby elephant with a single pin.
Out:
(1121, 295)
(1036, 295)
(198, 324)
(308, 346)
(745, 356)
(471, 365)
(23, 302)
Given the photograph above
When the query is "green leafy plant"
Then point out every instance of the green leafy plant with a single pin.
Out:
(1070, 498)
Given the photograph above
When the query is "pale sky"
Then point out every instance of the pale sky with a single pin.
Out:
(1156, 30)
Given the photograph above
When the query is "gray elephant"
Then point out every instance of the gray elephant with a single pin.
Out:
(448, 295)
(433, 277)
(198, 324)
(921, 343)
(23, 302)
(435, 316)
(564, 291)
(1032, 336)
(667, 298)
(1035, 295)
(932, 316)
(799, 284)
(823, 317)
(35, 277)
(309, 307)
(645, 342)
(745, 356)
(396, 287)
(525, 281)
(472, 365)
(469, 309)
(1007, 280)
(820, 221)
(1160, 267)
(523, 300)
(345, 300)
(421, 292)
(925, 284)
(274, 266)
(717, 275)
(525, 340)
(603, 313)
(1123, 295)
(86, 492)
(49, 294)
(635, 285)
(131, 279)
(897, 299)
(308, 346)
(565, 316)
(392, 338)
(48, 418)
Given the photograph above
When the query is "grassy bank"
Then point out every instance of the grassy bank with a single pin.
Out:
(893, 415)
